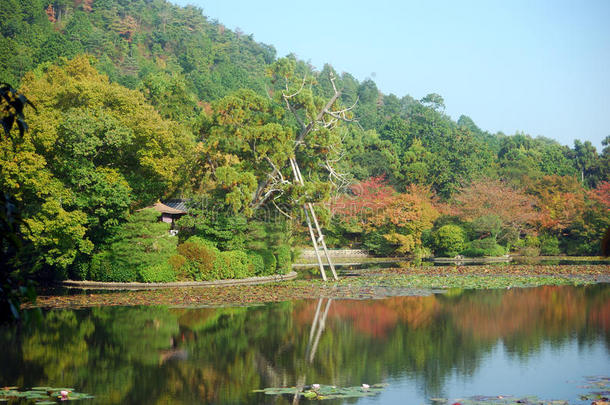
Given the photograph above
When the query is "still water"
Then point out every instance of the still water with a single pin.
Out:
(539, 341)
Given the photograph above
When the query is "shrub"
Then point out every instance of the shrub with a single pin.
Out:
(159, 273)
(269, 262)
(484, 247)
(449, 240)
(104, 268)
(142, 241)
(80, 270)
(473, 252)
(177, 261)
(284, 259)
(257, 261)
(530, 251)
(530, 246)
(376, 244)
(549, 246)
(100, 267)
(231, 264)
(238, 263)
(200, 260)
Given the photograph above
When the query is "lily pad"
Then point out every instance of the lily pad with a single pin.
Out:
(41, 395)
(327, 392)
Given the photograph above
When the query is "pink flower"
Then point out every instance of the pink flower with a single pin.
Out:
(315, 386)
(64, 395)
(365, 387)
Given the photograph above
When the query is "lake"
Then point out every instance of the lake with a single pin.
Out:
(544, 341)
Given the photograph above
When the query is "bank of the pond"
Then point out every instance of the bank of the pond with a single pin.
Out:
(102, 285)
(369, 284)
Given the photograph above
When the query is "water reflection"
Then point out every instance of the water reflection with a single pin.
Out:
(424, 346)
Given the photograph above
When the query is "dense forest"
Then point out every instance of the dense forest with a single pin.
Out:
(139, 101)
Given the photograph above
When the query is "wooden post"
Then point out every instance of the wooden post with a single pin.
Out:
(323, 242)
(311, 232)
(315, 219)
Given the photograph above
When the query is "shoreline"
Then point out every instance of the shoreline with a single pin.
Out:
(113, 285)
(363, 285)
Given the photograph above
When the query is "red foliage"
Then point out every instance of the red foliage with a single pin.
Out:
(485, 197)
(51, 13)
(87, 5)
(367, 198)
(126, 27)
(601, 194)
(561, 200)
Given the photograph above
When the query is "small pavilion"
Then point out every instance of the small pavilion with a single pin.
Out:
(171, 210)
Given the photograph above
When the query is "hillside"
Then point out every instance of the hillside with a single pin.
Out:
(143, 100)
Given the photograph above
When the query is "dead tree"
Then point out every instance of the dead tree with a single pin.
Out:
(326, 118)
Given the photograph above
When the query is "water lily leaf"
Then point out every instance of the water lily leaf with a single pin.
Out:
(42, 395)
(310, 394)
(328, 392)
(36, 395)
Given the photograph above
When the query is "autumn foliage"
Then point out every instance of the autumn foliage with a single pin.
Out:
(601, 194)
(366, 199)
(561, 201)
(515, 209)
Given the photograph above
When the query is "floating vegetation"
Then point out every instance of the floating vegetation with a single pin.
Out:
(600, 389)
(497, 400)
(378, 283)
(318, 392)
(41, 395)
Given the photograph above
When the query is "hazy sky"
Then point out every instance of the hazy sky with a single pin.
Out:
(541, 67)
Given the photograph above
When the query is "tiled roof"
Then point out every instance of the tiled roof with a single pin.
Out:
(165, 209)
(177, 204)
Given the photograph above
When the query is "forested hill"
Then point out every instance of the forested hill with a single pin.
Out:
(140, 100)
(181, 61)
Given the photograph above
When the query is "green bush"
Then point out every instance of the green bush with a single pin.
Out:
(530, 251)
(142, 241)
(484, 248)
(529, 246)
(376, 244)
(159, 273)
(100, 267)
(239, 265)
(200, 260)
(80, 270)
(258, 263)
(549, 246)
(269, 263)
(449, 240)
(284, 259)
(105, 268)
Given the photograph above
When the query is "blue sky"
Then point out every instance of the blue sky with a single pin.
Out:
(541, 67)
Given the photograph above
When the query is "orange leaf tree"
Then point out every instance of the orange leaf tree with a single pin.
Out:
(403, 220)
(561, 200)
(487, 198)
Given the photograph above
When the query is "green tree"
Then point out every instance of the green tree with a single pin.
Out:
(449, 240)
(585, 156)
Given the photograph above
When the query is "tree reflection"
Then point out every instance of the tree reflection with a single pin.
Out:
(210, 355)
